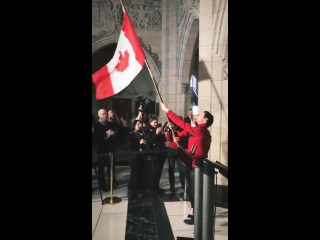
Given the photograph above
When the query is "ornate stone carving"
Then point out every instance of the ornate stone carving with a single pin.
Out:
(225, 68)
(183, 7)
(154, 56)
(146, 16)
(107, 15)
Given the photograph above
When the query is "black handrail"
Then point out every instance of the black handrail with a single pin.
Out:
(125, 153)
(205, 197)
(223, 170)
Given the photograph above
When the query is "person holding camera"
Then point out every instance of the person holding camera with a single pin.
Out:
(156, 141)
(198, 144)
(136, 143)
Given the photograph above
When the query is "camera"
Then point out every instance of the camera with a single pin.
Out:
(159, 125)
(144, 102)
(165, 127)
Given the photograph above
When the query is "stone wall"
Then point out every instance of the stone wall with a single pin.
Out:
(213, 74)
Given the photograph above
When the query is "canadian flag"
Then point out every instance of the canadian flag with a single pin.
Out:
(125, 65)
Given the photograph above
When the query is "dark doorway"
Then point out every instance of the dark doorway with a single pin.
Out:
(123, 107)
(103, 56)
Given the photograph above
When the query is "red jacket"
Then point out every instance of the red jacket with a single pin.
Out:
(200, 137)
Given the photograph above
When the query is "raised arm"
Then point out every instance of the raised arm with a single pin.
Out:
(182, 133)
(140, 114)
(182, 124)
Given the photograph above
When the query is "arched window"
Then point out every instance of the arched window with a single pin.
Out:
(194, 91)
(193, 83)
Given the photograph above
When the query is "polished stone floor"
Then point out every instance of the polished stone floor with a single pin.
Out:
(143, 219)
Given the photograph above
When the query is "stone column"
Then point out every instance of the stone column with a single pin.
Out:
(213, 83)
(169, 87)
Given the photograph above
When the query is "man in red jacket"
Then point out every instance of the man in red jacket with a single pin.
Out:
(198, 143)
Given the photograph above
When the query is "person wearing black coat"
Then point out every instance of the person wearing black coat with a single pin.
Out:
(104, 134)
(156, 141)
(136, 143)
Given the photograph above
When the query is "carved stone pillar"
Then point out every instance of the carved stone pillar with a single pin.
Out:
(213, 74)
(169, 87)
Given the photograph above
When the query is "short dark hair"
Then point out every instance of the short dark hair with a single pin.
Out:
(152, 119)
(189, 109)
(135, 122)
(209, 117)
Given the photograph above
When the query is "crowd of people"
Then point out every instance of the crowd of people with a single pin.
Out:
(181, 140)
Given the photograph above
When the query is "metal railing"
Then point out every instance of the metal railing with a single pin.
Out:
(128, 153)
(205, 198)
(205, 193)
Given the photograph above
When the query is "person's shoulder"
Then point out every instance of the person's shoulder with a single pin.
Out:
(96, 124)
(149, 130)
(187, 120)
(207, 132)
(111, 123)
(203, 127)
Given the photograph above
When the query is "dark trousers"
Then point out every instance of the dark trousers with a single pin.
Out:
(158, 162)
(173, 157)
(137, 174)
(192, 188)
(187, 173)
(102, 163)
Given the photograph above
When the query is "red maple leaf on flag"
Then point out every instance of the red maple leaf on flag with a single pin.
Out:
(123, 61)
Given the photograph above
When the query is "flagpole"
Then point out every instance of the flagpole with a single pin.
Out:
(161, 100)
(122, 5)
(153, 81)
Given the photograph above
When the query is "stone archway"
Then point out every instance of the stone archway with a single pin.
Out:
(102, 56)
(187, 45)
